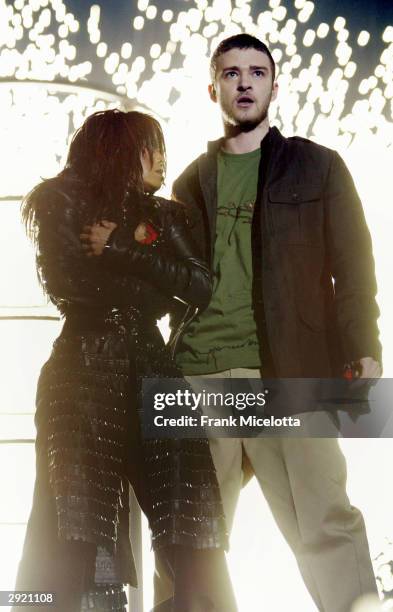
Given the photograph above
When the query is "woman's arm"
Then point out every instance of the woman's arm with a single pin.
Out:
(66, 274)
(177, 271)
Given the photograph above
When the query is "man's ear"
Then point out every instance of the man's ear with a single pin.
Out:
(212, 92)
(274, 91)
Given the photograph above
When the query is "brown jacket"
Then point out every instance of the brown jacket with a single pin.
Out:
(314, 283)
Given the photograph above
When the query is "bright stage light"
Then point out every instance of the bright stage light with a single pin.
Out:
(151, 12)
(339, 23)
(363, 38)
(350, 69)
(387, 35)
(139, 23)
(102, 49)
(309, 38)
(277, 55)
(279, 13)
(111, 63)
(306, 12)
(126, 50)
(155, 51)
(167, 15)
(63, 31)
(291, 50)
(342, 35)
(316, 59)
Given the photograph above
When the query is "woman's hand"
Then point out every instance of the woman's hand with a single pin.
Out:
(141, 233)
(95, 237)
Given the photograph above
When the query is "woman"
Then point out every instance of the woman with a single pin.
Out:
(88, 433)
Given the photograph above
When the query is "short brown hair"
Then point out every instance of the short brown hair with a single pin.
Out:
(240, 41)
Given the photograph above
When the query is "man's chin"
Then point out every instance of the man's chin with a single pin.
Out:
(247, 124)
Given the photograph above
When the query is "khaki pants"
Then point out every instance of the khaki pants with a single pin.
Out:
(304, 482)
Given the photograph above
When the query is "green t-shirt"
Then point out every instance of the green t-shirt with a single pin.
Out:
(224, 335)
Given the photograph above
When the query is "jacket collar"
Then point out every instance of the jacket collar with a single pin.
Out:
(273, 136)
(207, 169)
(271, 147)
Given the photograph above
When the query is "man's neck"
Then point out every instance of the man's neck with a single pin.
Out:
(237, 141)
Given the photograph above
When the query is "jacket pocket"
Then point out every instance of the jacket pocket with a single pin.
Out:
(295, 213)
(306, 271)
(311, 309)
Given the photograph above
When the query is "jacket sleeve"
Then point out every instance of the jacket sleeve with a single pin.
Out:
(175, 270)
(187, 190)
(352, 266)
(66, 273)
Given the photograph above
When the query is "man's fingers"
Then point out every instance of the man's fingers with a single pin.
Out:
(94, 237)
(91, 242)
(370, 368)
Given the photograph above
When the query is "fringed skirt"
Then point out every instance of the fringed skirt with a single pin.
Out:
(89, 448)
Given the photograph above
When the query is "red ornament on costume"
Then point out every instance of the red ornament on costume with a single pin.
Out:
(152, 235)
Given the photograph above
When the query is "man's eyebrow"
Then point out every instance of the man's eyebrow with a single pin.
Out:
(259, 67)
(250, 67)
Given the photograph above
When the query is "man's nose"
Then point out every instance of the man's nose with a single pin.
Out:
(244, 84)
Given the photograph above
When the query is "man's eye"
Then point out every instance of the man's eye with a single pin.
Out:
(258, 73)
(231, 74)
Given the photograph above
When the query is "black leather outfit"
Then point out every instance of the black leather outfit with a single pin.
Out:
(88, 441)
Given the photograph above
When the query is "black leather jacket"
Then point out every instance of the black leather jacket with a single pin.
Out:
(128, 272)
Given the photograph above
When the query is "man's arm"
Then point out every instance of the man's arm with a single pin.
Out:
(187, 191)
(352, 268)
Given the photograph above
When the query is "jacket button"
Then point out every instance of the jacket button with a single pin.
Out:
(295, 197)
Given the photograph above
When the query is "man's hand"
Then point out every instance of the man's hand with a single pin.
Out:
(369, 368)
(95, 237)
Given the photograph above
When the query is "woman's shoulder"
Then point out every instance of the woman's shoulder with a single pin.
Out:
(62, 187)
(169, 209)
(60, 197)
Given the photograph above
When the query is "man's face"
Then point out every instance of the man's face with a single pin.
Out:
(244, 87)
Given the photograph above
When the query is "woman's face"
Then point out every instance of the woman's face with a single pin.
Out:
(153, 170)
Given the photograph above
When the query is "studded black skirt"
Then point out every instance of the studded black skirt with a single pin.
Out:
(90, 448)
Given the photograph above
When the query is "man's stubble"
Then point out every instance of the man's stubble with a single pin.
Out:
(246, 124)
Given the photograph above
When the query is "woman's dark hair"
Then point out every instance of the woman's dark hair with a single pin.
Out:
(104, 156)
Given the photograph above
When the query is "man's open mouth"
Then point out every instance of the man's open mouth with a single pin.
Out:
(244, 101)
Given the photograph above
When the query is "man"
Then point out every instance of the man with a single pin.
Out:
(280, 223)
